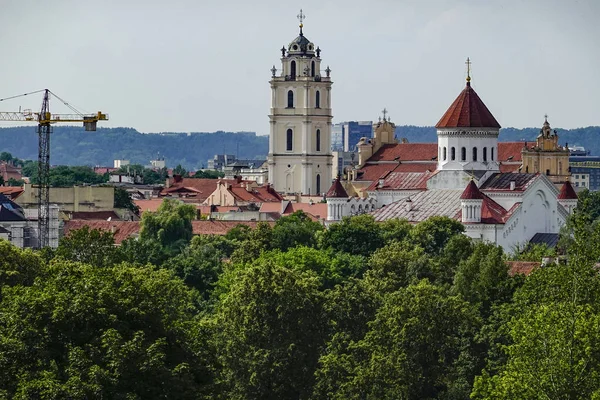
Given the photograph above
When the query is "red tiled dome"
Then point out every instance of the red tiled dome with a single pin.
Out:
(468, 111)
(337, 190)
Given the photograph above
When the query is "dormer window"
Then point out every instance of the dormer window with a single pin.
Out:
(295, 47)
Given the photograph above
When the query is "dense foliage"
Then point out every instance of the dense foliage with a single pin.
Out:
(359, 310)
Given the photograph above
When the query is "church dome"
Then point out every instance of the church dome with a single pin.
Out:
(468, 111)
(301, 46)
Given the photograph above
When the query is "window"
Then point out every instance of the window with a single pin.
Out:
(492, 154)
(318, 143)
(290, 99)
(474, 153)
(453, 154)
(444, 154)
(289, 140)
(312, 69)
(485, 154)
(318, 99)
(463, 154)
(318, 184)
(293, 69)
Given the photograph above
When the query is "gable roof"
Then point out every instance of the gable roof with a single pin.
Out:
(567, 192)
(406, 151)
(11, 191)
(199, 188)
(336, 190)
(257, 194)
(468, 111)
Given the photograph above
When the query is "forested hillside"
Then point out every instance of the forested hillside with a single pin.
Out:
(74, 146)
(360, 310)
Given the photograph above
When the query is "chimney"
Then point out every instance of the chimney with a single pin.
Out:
(408, 204)
(513, 185)
(381, 183)
(177, 178)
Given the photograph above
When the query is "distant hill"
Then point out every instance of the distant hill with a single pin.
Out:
(74, 146)
(587, 137)
(71, 145)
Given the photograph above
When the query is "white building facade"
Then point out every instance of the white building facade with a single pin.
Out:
(300, 159)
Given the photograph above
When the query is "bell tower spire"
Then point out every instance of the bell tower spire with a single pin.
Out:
(300, 159)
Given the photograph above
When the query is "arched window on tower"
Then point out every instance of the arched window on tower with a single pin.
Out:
(318, 184)
(463, 154)
(289, 140)
(312, 69)
(492, 153)
(318, 99)
(453, 153)
(474, 153)
(485, 154)
(444, 154)
(290, 99)
(293, 69)
(318, 141)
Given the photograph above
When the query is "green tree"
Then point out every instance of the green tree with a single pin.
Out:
(170, 225)
(433, 233)
(89, 246)
(395, 229)
(259, 240)
(84, 332)
(209, 174)
(358, 235)
(294, 230)
(15, 182)
(123, 200)
(6, 156)
(179, 170)
(419, 346)
(270, 329)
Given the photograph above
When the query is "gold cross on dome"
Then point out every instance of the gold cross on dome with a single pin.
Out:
(301, 18)
(468, 62)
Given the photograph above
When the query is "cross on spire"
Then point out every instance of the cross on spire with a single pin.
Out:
(468, 62)
(384, 112)
(301, 18)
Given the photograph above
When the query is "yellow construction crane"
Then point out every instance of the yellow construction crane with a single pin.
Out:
(44, 120)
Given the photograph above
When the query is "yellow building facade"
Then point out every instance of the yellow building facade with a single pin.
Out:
(546, 156)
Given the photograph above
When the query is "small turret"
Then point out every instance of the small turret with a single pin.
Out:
(471, 202)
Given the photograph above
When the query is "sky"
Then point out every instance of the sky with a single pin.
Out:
(204, 65)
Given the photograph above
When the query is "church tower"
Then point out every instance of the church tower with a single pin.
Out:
(468, 135)
(300, 159)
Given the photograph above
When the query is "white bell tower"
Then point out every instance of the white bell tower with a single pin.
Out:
(300, 159)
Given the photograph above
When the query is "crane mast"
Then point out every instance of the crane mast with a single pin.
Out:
(45, 119)
(44, 131)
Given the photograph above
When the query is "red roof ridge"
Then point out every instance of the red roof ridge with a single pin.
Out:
(471, 192)
(567, 192)
(468, 111)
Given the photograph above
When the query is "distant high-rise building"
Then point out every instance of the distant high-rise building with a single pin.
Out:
(345, 135)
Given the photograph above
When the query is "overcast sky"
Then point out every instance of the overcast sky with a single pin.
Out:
(202, 66)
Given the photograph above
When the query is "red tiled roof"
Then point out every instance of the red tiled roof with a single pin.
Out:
(336, 190)
(200, 188)
(372, 172)
(259, 194)
(317, 210)
(522, 267)
(104, 170)
(507, 150)
(492, 212)
(8, 171)
(567, 192)
(402, 181)
(471, 192)
(501, 182)
(406, 152)
(95, 215)
(510, 167)
(148, 204)
(468, 111)
(11, 192)
(121, 229)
